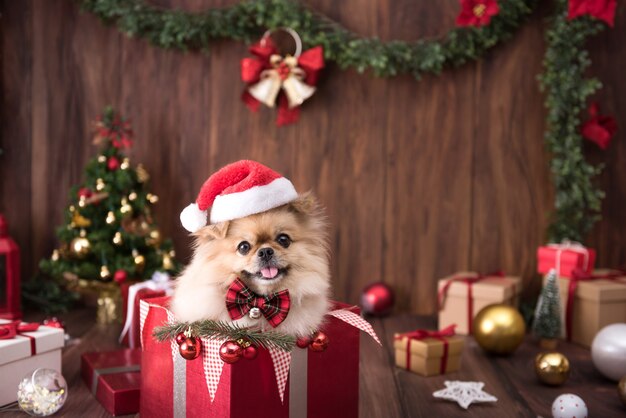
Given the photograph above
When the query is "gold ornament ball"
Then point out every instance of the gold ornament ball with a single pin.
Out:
(621, 390)
(80, 246)
(105, 274)
(139, 260)
(154, 238)
(499, 329)
(552, 368)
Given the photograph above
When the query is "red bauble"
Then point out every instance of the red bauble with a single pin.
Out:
(377, 299)
(85, 192)
(190, 348)
(120, 276)
(250, 352)
(231, 352)
(319, 341)
(53, 322)
(180, 338)
(303, 342)
(113, 163)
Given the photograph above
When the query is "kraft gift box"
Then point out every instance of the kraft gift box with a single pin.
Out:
(428, 356)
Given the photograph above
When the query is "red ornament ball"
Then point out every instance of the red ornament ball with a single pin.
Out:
(231, 352)
(113, 163)
(319, 341)
(85, 192)
(180, 338)
(53, 322)
(250, 352)
(190, 348)
(377, 299)
(120, 276)
(303, 342)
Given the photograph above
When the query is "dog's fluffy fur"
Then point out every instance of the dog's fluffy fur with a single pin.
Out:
(303, 266)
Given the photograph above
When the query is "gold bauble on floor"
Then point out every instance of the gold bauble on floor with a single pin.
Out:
(499, 329)
(552, 368)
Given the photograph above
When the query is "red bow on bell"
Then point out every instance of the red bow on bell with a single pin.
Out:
(240, 300)
(272, 77)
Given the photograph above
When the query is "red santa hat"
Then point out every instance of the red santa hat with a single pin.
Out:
(235, 191)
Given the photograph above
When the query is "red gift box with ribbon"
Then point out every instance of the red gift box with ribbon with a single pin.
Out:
(429, 353)
(114, 378)
(565, 258)
(134, 292)
(23, 348)
(275, 384)
(462, 295)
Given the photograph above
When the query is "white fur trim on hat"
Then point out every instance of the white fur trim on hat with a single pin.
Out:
(254, 200)
(192, 218)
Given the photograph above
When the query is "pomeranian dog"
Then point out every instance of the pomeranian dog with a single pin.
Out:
(282, 248)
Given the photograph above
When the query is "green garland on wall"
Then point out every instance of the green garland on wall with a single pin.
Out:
(577, 200)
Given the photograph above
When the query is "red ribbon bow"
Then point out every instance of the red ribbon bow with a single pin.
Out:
(310, 61)
(11, 329)
(240, 299)
(420, 334)
(469, 281)
(579, 275)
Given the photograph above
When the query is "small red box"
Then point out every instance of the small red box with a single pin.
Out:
(114, 378)
(565, 259)
(324, 384)
(131, 338)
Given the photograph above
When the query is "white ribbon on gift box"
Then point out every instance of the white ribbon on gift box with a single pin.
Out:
(158, 281)
(567, 245)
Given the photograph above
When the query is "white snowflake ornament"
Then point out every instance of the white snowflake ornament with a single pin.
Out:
(569, 405)
(464, 393)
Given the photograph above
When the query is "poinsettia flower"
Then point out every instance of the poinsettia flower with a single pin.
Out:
(477, 12)
(599, 128)
(600, 9)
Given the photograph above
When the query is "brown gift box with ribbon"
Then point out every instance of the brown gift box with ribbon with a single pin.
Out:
(590, 302)
(429, 353)
(462, 295)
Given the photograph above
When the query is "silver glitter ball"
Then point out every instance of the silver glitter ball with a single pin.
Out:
(255, 313)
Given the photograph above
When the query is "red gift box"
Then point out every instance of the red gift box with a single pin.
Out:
(565, 258)
(114, 378)
(159, 285)
(315, 384)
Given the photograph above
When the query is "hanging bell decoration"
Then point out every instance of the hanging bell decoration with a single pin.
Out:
(284, 80)
(80, 246)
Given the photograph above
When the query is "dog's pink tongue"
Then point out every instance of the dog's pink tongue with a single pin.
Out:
(269, 272)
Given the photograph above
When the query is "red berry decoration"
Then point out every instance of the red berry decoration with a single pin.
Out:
(250, 352)
(85, 192)
(120, 276)
(319, 341)
(231, 352)
(180, 338)
(303, 342)
(53, 322)
(190, 348)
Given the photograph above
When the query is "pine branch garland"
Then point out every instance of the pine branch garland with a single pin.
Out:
(229, 331)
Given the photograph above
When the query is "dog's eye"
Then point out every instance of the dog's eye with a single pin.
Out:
(243, 247)
(283, 240)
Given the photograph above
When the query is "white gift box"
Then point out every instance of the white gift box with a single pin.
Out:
(20, 355)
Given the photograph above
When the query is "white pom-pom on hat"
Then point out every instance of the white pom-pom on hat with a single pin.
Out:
(235, 191)
(192, 218)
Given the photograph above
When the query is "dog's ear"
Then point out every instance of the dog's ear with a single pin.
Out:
(214, 231)
(305, 204)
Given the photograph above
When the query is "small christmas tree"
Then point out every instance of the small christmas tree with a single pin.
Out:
(547, 324)
(109, 233)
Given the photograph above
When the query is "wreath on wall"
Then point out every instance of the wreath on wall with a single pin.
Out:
(480, 25)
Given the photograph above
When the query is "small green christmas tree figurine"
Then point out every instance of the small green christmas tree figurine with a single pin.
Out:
(547, 324)
(109, 234)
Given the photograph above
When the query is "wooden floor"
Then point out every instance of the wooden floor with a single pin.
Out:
(388, 392)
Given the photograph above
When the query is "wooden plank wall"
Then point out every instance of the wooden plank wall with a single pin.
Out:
(420, 179)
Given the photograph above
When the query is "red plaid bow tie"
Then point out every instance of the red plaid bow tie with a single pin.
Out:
(240, 299)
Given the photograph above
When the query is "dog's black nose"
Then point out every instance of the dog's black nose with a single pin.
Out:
(265, 254)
